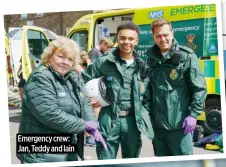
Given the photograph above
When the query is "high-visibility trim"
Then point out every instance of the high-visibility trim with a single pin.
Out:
(209, 68)
(210, 85)
(201, 65)
(202, 117)
(217, 86)
(217, 74)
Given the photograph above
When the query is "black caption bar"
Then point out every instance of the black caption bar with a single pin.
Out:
(45, 143)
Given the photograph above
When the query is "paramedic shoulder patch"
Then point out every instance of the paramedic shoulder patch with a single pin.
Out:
(173, 74)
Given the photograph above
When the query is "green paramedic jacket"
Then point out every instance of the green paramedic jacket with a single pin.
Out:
(109, 66)
(177, 87)
(53, 104)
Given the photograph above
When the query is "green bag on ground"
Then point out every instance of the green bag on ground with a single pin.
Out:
(219, 140)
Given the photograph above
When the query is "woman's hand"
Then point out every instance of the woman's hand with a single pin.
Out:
(91, 126)
(99, 138)
(96, 106)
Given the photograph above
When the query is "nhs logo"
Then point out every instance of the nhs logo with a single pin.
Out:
(156, 14)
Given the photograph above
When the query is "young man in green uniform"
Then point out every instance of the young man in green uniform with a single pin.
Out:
(125, 119)
(177, 91)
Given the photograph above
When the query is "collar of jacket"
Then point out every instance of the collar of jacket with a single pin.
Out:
(56, 74)
(141, 66)
(114, 56)
(155, 53)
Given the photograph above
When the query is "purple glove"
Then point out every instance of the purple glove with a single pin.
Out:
(91, 126)
(189, 124)
(98, 137)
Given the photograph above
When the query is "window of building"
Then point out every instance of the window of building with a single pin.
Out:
(23, 16)
(39, 15)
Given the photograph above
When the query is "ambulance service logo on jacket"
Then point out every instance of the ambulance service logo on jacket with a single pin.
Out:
(173, 74)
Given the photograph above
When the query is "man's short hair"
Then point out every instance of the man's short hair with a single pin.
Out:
(159, 23)
(128, 25)
(108, 41)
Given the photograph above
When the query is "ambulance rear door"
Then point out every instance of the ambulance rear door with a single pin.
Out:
(34, 41)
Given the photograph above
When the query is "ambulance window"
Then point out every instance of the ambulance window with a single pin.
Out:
(50, 35)
(36, 42)
(81, 38)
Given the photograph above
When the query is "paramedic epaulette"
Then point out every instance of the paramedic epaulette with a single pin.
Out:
(41, 68)
(186, 49)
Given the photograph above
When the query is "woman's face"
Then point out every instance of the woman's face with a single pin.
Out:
(61, 62)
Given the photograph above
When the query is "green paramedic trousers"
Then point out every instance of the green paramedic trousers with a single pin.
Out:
(126, 133)
(172, 142)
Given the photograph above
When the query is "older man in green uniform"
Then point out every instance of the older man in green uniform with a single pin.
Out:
(125, 119)
(177, 91)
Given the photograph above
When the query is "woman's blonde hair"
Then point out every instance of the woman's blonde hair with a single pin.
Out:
(83, 55)
(63, 45)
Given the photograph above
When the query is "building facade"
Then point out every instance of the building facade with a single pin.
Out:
(58, 22)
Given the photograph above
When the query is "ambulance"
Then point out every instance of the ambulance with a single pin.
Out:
(194, 26)
(16, 45)
(9, 71)
(28, 42)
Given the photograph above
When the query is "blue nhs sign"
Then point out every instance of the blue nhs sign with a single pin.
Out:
(155, 14)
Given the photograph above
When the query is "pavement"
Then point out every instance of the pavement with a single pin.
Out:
(90, 152)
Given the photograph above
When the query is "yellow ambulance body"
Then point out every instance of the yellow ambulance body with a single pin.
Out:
(194, 26)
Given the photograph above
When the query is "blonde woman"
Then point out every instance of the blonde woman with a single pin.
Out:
(54, 103)
(85, 61)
